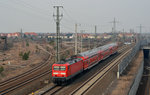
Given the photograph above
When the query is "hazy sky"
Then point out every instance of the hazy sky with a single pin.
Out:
(37, 15)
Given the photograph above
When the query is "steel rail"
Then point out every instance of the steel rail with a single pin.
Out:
(3, 92)
(86, 82)
(23, 74)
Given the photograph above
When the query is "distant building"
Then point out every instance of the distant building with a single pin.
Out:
(63, 36)
(30, 34)
(106, 36)
(129, 35)
(120, 35)
(13, 35)
(3, 34)
(85, 35)
(16, 34)
(72, 35)
(90, 36)
(69, 35)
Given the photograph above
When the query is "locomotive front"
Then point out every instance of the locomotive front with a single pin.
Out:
(59, 73)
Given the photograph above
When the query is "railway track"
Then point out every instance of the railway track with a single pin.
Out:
(96, 77)
(55, 89)
(21, 75)
(18, 81)
(52, 90)
(18, 85)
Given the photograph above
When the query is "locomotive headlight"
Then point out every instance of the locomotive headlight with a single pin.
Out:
(63, 73)
(55, 73)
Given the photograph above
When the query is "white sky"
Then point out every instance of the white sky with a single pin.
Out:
(37, 15)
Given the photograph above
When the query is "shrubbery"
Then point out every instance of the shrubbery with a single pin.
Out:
(1, 69)
(27, 43)
(25, 56)
(21, 54)
(51, 42)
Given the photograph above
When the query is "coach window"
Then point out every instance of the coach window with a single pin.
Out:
(75, 61)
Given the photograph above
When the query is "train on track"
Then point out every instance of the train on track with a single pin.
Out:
(67, 69)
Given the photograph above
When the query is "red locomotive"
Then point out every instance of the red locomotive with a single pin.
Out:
(65, 70)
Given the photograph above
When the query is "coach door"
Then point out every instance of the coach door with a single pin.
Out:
(69, 70)
(100, 57)
(85, 64)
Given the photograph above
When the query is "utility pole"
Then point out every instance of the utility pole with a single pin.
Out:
(140, 30)
(21, 33)
(5, 42)
(58, 17)
(89, 39)
(76, 40)
(114, 29)
(89, 43)
(82, 40)
(123, 35)
(123, 30)
(95, 36)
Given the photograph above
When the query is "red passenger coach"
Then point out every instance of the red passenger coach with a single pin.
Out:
(65, 70)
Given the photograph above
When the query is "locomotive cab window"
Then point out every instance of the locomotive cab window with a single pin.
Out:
(56, 68)
(62, 68)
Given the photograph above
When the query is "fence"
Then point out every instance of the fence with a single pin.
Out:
(135, 84)
(125, 62)
(144, 42)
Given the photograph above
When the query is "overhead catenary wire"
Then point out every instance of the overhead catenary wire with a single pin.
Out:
(36, 13)
(27, 10)
(31, 7)
(46, 15)
(74, 21)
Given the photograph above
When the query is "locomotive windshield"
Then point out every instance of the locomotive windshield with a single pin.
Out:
(56, 68)
(62, 68)
(59, 68)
